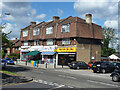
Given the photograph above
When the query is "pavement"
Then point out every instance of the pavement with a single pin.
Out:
(8, 79)
(43, 66)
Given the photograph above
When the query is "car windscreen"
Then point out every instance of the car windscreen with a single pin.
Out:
(96, 63)
(8, 59)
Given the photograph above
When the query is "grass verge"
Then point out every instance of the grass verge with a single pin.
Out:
(9, 73)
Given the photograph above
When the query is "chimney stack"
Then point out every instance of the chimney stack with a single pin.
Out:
(32, 23)
(55, 18)
(89, 18)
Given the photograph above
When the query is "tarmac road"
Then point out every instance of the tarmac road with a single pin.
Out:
(64, 78)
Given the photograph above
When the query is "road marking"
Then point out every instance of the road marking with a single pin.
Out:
(67, 76)
(103, 83)
(60, 86)
(51, 84)
(45, 82)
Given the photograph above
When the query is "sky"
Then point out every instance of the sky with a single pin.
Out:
(104, 13)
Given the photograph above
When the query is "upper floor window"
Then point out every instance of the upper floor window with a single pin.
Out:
(66, 41)
(65, 28)
(50, 42)
(25, 43)
(36, 31)
(36, 42)
(25, 33)
(49, 30)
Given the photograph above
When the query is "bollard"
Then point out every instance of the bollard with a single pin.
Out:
(37, 63)
(55, 64)
(26, 63)
(46, 65)
(62, 65)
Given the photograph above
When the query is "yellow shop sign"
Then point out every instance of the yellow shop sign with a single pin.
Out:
(68, 49)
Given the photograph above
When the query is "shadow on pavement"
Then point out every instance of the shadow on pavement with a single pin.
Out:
(13, 68)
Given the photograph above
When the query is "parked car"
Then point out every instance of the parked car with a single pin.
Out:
(91, 63)
(116, 64)
(3, 63)
(78, 65)
(9, 61)
(103, 67)
(115, 76)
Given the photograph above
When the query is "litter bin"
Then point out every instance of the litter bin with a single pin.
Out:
(34, 63)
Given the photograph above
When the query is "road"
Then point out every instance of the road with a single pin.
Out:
(64, 78)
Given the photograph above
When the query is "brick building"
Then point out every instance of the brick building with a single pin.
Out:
(15, 47)
(70, 39)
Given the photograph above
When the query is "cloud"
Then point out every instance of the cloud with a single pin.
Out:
(12, 27)
(60, 12)
(21, 14)
(101, 9)
(111, 23)
(41, 16)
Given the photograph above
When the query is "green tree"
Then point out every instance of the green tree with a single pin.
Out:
(3, 54)
(109, 36)
(5, 39)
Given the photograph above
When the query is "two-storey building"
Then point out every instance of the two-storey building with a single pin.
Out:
(63, 40)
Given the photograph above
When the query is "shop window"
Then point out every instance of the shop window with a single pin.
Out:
(25, 43)
(36, 43)
(25, 33)
(36, 31)
(49, 30)
(65, 28)
(65, 41)
(50, 42)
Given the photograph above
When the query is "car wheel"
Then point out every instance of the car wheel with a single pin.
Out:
(115, 78)
(103, 71)
(94, 71)
(78, 67)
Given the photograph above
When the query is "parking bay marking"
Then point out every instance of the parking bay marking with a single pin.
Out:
(67, 76)
(103, 83)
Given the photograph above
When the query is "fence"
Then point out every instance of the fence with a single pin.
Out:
(111, 60)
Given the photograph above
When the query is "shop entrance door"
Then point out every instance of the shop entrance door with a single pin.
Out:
(64, 59)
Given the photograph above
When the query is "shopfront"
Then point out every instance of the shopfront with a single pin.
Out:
(23, 51)
(48, 54)
(66, 55)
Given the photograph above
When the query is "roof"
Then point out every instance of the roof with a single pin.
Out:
(86, 30)
(116, 54)
(16, 43)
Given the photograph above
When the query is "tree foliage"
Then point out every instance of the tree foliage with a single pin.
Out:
(5, 39)
(109, 36)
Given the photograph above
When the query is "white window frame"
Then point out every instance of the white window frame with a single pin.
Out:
(36, 31)
(50, 42)
(65, 28)
(49, 30)
(25, 33)
(26, 43)
(66, 42)
(36, 43)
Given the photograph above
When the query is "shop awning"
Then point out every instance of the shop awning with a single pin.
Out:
(47, 53)
(33, 53)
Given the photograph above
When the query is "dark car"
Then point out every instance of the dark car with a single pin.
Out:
(3, 63)
(116, 64)
(78, 65)
(103, 67)
(9, 61)
(115, 75)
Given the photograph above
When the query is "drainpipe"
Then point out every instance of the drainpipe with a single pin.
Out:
(56, 30)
